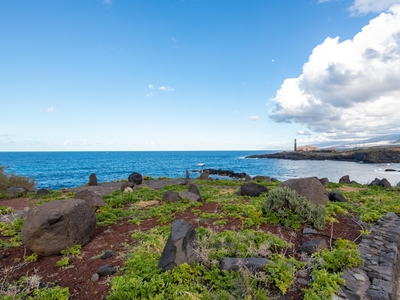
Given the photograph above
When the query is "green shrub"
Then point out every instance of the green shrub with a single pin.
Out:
(56, 293)
(286, 206)
(10, 180)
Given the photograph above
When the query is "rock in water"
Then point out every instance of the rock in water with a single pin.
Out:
(180, 246)
(58, 225)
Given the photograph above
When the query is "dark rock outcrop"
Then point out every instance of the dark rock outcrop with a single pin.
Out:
(345, 179)
(135, 178)
(368, 155)
(252, 189)
(191, 196)
(337, 197)
(310, 188)
(91, 197)
(42, 192)
(58, 225)
(254, 264)
(324, 181)
(171, 197)
(17, 191)
(381, 182)
(180, 247)
(106, 270)
(312, 246)
(92, 179)
(194, 189)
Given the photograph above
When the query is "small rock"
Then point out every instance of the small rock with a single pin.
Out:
(307, 230)
(106, 270)
(314, 246)
(254, 264)
(95, 277)
(302, 281)
(107, 254)
(359, 277)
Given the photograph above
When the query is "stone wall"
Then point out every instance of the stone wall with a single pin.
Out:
(377, 279)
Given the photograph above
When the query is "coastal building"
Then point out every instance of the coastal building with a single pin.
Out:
(307, 148)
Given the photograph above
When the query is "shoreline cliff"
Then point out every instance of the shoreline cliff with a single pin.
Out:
(367, 155)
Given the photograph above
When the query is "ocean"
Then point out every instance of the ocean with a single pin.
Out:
(57, 170)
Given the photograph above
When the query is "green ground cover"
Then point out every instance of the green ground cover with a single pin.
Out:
(140, 278)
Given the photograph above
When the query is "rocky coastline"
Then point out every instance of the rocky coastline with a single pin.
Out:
(366, 155)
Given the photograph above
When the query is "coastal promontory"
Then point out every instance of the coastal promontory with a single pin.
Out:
(366, 155)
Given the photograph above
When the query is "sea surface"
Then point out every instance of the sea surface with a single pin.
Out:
(57, 170)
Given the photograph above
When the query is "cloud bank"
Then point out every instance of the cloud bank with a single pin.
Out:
(362, 7)
(348, 89)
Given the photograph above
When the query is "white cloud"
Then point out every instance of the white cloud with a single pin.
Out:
(254, 118)
(151, 86)
(51, 110)
(348, 89)
(166, 89)
(303, 132)
(150, 94)
(362, 7)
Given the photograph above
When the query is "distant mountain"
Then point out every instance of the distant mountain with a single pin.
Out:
(386, 140)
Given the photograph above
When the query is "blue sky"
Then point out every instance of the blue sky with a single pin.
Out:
(196, 74)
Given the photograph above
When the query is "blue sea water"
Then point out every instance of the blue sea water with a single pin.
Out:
(57, 170)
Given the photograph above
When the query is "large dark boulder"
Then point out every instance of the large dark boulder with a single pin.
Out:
(337, 197)
(194, 189)
(314, 246)
(180, 247)
(381, 182)
(17, 191)
(252, 189)
(58, 225)
(345, 179)
(91, 197)
(191, 196)
(42, 192)
(385, 183)
(324, 181)
(92, 179)
(136, 178)
(171, 197)
(310, 188)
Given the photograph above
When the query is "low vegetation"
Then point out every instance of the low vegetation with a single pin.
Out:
(140, 278)
(10, 180)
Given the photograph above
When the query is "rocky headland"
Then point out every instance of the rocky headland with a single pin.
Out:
(366, 155)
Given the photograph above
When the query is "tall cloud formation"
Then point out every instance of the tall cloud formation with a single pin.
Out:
(348, 89)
